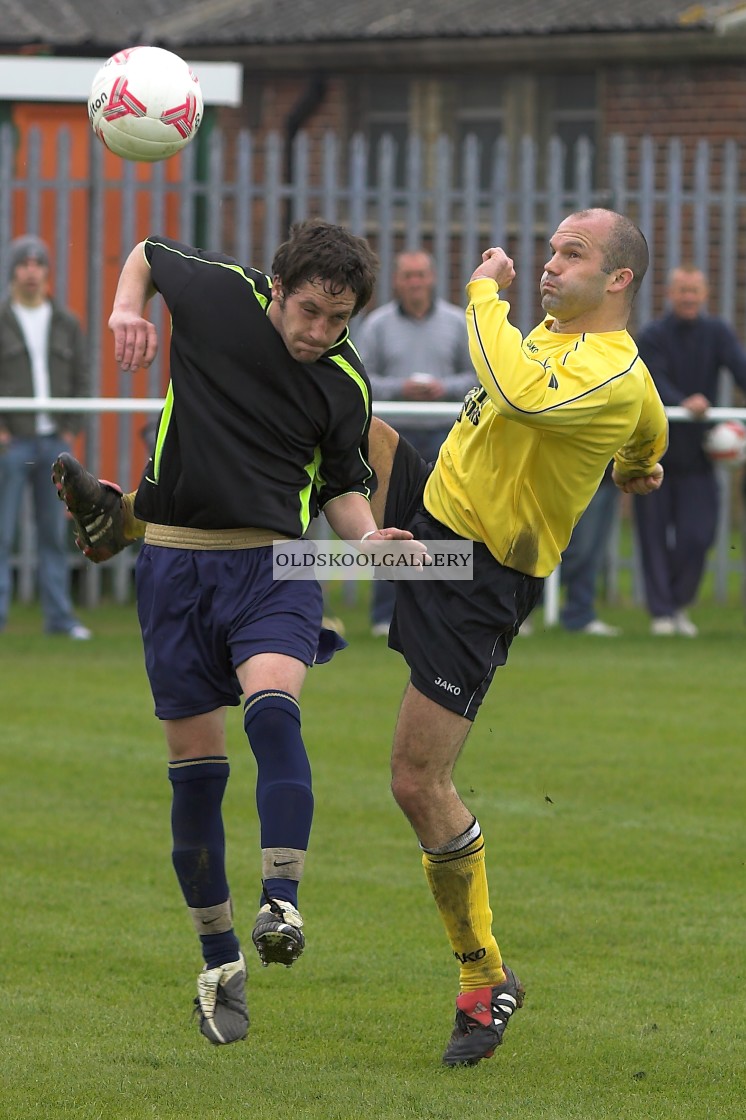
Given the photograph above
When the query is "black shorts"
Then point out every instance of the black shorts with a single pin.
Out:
(453, 634)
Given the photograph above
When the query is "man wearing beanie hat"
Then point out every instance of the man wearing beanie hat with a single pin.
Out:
(42, 354)
(27, 248)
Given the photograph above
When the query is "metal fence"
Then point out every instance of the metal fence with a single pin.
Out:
(240, 192)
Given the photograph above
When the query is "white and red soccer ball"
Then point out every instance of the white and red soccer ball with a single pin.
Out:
(145, 104)
(725, 444)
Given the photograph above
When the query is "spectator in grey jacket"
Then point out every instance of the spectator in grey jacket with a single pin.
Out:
(42, 354)
(415, 348)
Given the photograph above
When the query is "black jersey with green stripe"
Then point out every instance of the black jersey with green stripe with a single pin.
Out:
(248, 437)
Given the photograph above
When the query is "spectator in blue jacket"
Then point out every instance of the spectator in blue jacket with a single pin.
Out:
(685, 350)
(584, 560)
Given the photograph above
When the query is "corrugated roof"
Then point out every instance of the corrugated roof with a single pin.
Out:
(293, 21)
(70, 24)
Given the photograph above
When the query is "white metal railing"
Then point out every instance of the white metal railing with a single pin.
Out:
(387, 410)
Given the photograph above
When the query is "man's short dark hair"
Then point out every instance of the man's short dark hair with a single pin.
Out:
(626, 247)
(318, 250)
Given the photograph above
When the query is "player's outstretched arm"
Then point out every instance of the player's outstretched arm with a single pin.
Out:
(104, 517)
(350, 517)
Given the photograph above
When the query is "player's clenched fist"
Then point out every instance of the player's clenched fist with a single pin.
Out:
(643, 484)
(496, 265)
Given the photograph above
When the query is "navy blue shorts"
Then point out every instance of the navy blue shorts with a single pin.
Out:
(453, 634)
(202, 613)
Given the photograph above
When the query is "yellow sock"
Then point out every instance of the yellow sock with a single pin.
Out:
(458, 881)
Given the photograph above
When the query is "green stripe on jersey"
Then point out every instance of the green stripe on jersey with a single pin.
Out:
(313, 471)
(262, 299)
(360, 382)
(168, 407)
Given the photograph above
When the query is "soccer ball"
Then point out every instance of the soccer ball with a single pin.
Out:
(145, 104)
(726, 443)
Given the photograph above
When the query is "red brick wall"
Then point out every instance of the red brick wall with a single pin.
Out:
(689, 102)
(692, 99)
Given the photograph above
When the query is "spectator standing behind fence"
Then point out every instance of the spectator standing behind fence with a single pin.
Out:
(415, 348)
(583, 560)
(685, 350)
(42, 354)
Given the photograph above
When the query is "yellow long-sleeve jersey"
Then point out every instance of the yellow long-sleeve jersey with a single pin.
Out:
(530, 447)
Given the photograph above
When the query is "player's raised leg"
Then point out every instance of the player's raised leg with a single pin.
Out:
(104, 517)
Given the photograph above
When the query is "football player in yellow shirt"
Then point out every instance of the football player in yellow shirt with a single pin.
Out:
(517, 470)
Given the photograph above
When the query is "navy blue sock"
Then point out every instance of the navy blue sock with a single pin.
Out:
(284, 798)
(198, 852)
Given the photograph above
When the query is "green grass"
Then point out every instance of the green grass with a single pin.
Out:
(610, 781)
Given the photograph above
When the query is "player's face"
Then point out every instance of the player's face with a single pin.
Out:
(310, 319)
(573, 282)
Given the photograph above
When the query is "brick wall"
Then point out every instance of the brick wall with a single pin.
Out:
(683, 100)
(687, 101)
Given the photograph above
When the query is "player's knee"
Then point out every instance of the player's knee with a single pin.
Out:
(409, 792)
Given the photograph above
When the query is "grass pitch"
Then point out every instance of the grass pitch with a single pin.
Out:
(610, 781)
